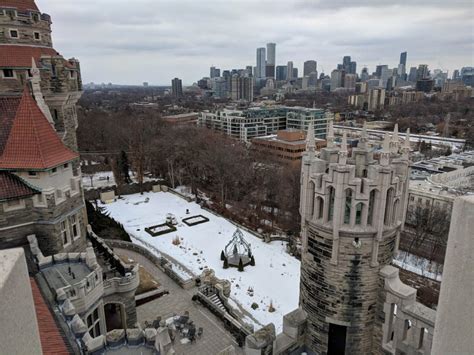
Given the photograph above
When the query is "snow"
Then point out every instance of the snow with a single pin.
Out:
(99, 179)
(274, 278)
(419, 265)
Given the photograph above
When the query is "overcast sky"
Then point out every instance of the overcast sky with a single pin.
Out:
(131, 41)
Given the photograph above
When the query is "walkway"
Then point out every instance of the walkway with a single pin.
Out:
(214, 338)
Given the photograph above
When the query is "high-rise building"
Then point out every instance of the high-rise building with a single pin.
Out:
(412, 74)
(456, 75)
(337, 79)
(176, 87)
(350, 81)
(289, 71)
(364, 75)
(261, 63)
(346, 62)
(467, 76)
(270, 71)
(215, 72)
(241, 88)
(353, 67)
(403, 58)
(309, 67)
(422, 72)
(271, 54)
(295, 73)
(376, 99)
(281, 72)
(378, 70)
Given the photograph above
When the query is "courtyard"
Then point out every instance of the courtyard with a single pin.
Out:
(273, 281)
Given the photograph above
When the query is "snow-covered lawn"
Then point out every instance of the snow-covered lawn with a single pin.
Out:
(419, 265)
(274, 278)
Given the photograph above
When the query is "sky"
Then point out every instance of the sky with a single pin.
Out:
(133, 41)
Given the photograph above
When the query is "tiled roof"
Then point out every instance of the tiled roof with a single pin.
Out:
(32, 142)
(21, 5)
(51, 340)
(13, 187)
(20, 56)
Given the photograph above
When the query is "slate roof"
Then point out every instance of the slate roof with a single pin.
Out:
(21, 5)
(19, 56)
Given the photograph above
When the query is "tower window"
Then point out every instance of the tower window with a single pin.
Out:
(14, 34)
(8, 73)
(37, 36)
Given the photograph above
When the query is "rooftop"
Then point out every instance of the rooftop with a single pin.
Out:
(21, 5)
(65, 274)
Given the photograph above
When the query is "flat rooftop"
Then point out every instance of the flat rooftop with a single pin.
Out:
(65, 274)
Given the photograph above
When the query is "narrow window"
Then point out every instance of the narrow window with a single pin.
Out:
(37, 36)
(370, 217)
(8, 73)
(347, 207)
(64, 232)
(331, 194)
(14, 34)
(359, 208)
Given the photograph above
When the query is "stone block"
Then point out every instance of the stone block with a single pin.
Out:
(107, 197)
(164, 188)
(156, 188)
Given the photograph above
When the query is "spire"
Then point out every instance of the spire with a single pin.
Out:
(343, 150)
(36, 91)
(330, 136)
(386, 144)
(406, 145)
(395, 133)
(363, 137)
(394, 142)
(310, 142)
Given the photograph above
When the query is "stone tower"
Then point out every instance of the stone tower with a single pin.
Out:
(352, 212)
(27, 57)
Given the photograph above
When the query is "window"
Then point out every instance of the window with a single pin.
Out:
(59, 194)
(14, 34)
(64, 233)
(65, 166)
(93, 323)
(75, 227)
(370, 217)
(37, 36)
(40, 198)
(35, 17)
(32, 173)
(359, 208)
(8, 73)
(331, 194)
(54, 170)
(347, 207)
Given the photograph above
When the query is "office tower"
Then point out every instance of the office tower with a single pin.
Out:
(422, 72)
(313, 79)
(215, 72)
(346, 62)
(260, 70)
(378, 70)
(295, 73)
(337, 79)
(248, 69)
(289, 71)
(309, 67)
(384, 75)
(176, 87)
(350, 81)
(353, 67)
(467, 76)
(270, 71)
(456, 75)
(281, 72)
(403, 58)
(425, 85)
(364, 75)
(412, 75)
(271, 54)
(241, 88)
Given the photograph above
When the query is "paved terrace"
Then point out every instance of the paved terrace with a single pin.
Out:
(214, 338)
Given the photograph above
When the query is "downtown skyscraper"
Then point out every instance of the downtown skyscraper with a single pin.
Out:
(261, 63)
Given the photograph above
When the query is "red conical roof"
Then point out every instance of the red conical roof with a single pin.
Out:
(20, 5)
(32, 142)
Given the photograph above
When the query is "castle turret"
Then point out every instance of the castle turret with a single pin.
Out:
(351, 217)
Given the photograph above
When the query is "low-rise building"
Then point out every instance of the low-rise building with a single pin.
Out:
(183, 119)
(286, 146)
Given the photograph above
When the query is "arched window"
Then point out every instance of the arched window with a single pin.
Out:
(347, 207)
(320, 207)
(370, 217)
(359, 208)
(331, 193)
(388, 206)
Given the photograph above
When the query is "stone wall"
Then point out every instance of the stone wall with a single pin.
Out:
(129, 189)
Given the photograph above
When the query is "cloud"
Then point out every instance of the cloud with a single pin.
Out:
(126, 41)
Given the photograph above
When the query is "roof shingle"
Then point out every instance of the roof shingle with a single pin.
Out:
(32, 142)
(13, 187)
(20, 5)
(20, 56)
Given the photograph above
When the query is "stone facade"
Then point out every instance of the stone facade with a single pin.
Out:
(27, 35)
(352, 211)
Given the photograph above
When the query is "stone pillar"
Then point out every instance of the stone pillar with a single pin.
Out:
(455, 315)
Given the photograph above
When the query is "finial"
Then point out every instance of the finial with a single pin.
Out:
(386, 144)
(310, 142)
(343, 151)
(314, 104)
(395, 132)
(330, 136)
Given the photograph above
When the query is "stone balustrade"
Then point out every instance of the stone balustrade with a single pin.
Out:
(409, 326)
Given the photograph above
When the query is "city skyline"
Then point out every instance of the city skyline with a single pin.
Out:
(170, 46)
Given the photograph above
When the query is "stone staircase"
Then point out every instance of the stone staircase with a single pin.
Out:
(217, 301)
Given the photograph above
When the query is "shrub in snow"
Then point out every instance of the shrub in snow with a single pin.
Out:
(271, 309)
(226, 263)
(252, 261)
(222, 255)
(176, 241)
(254, 305)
